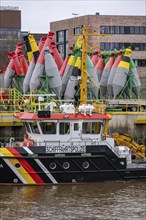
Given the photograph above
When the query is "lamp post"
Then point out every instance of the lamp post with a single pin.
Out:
(74, 24)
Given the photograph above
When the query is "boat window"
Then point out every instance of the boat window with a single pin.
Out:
(52, 165)
(85, 164)
(27, 127)
(48, 127)
(34, 128)
(66, 165)
(91, 127)
(64, 128)
(76, 126)
(17, 165)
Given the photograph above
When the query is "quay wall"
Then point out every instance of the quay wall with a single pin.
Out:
(127, 124)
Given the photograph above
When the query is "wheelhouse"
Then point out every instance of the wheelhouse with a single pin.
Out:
(64, 128)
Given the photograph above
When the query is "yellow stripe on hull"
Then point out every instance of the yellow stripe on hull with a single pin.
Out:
(22, 171)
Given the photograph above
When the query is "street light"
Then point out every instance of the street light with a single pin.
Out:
(74, 24)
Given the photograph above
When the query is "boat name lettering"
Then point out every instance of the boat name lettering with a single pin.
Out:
(65, 149)
(14, 8)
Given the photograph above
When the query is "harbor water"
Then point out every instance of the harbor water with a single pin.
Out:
(114, 201)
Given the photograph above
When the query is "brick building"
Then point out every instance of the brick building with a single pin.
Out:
(10, 32)
(125, 31)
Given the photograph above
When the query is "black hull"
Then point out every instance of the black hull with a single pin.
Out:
(101, 164)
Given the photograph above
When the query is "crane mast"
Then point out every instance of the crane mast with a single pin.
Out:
(83, 84)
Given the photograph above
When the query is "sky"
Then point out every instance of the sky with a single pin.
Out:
(36, 15)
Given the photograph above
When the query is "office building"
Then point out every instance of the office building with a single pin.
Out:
(122, 32)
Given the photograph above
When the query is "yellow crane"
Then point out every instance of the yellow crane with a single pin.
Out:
(83, 85)
(127, 140)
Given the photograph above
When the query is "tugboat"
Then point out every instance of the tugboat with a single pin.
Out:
(69, 146)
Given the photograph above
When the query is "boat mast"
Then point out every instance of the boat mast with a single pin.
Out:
(83, 84)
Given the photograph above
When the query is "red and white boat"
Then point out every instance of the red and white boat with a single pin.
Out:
(67, 147)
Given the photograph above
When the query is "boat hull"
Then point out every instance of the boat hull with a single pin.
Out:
(101, 164)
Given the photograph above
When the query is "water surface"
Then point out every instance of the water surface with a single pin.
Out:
(114, 201)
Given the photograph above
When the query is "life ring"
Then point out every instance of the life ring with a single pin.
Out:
(28, 142)
(17, 144)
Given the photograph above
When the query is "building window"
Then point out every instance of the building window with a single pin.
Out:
(116, 30)
(126, 30)
(137, 30)
(77, 30)
(66, 50)
(142, 63)
(66, 35)
(61, 49)
(122, 30)
(131, 30)
(141, 30)
(60, 36)
(62, 42)
(118, 46)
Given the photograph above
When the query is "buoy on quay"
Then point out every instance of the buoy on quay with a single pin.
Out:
(121, 74)
(112, 74)
(105, 75)
(109, 74)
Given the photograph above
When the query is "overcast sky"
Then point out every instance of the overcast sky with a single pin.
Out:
(36, 15)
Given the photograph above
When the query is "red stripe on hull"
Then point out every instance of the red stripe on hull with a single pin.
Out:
(27, 166)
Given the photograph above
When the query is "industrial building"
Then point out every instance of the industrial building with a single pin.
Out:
(122, 32)
(10, 32)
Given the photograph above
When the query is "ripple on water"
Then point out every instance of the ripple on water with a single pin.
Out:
(114, 201)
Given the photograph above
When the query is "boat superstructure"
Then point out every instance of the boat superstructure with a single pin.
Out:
(67, 147)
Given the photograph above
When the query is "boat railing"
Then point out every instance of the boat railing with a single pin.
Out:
(71, 142)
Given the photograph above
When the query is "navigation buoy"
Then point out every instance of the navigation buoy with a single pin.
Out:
(26, 86)
(99, 67)
(23, 62)
(136, 84)
(52, 72)
(40, 65)
(112, 74)
(71, 86)
(57, 57)
(121, 74)
(105, 75)
(94, 85)
(67, 74)
(10, 70)
(95, 57)
(34, 47)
